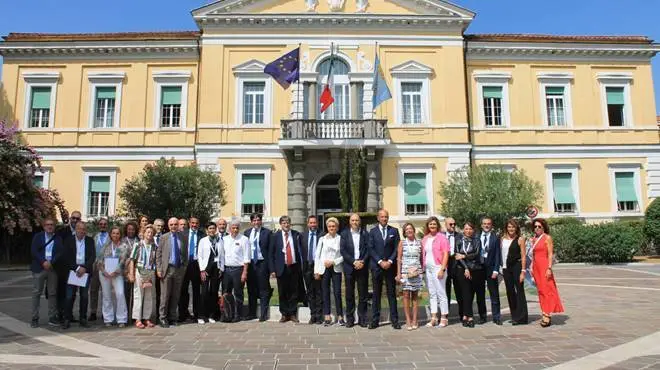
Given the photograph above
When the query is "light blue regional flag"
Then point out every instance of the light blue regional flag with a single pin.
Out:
(381, 91)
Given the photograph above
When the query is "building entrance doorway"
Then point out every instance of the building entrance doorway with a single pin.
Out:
(327, 198)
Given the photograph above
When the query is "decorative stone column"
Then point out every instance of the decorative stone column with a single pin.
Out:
(354, 100)
(312, 101)
(297, 202)
(373, 183)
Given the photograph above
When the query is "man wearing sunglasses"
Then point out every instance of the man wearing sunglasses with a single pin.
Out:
(453, 236)
(67, 232)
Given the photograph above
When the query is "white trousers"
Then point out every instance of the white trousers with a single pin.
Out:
(437, 290)
(142, 300)
(109, 313)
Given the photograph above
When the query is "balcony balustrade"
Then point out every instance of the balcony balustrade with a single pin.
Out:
(314, 129)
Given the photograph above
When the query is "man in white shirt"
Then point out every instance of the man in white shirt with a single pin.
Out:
(454, 238)
(353, 246)
(237, 258)
(79, 256)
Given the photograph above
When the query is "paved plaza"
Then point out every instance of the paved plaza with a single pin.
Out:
(612, 321)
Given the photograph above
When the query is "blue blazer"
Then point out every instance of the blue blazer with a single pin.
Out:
(304, 238)
(264, 241)
(38, 251)
(277, 259)
(347, 249)
(380, 249)
(493, 260)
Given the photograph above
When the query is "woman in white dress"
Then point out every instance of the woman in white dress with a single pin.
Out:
(328, 266)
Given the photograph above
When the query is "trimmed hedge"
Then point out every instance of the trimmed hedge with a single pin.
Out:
(614, 242)
(652, 225)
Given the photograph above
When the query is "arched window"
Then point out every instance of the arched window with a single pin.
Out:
(339, 83)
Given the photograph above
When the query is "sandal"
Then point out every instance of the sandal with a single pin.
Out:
(139, 324)
(432, 323)
(409, 328)
(415, 327)
(444, 323)
(546, 321)
(150, 324)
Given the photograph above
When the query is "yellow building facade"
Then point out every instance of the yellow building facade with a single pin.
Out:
(576, 113)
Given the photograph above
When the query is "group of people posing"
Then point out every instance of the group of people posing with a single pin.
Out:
(149, 272)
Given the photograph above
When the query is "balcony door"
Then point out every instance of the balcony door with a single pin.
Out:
(341, 89)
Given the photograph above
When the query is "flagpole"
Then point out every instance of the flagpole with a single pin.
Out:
(373, 86)
(300, 93)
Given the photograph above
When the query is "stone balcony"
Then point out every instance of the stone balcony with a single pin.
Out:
(313, 133)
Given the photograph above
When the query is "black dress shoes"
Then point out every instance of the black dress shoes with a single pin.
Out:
(92, 317)
(364, 325)
(373, 325)
(66, 324)
(349, 324)
(498, 322)
(481, 321)
(84, 324)
(396, 326)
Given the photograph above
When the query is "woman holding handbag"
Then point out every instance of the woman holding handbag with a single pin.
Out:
(142, 267)
(410, 273)
(435, 257)
(328, 266)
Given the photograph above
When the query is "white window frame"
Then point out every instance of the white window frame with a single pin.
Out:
(556, 79)
(45, 173)
(618, 79)
(40, 79)
(495, 79)
(105, 79)
(99, 171)
(252, 168)
(573, 169)
(252, 71)
(179, 78)
(613, 169)
(414, 72)
(427, 170)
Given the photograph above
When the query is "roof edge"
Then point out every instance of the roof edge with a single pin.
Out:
(110, 36)
(545, 38)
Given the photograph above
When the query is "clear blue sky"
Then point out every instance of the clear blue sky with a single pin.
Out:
(589, 17)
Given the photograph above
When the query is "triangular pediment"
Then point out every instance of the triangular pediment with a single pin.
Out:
(251, 66)
(411, 67)
(390, 7)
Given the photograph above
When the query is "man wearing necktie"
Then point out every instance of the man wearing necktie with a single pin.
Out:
(310, 240)
(171, 263)
(159, 224)
(492, 258)
(66, 232)
(79, 256)
(100, 239)
(454, 237)
(285, 262)
(46, 249)
(192, 275)
(258, 281)
(383, 243)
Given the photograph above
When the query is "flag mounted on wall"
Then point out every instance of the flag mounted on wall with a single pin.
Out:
(326, 99)
(381, 91)
(286, 69)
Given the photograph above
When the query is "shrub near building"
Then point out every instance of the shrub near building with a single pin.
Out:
(614, 242)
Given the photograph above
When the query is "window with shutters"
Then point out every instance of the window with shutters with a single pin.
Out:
(40, 106)
(170, 107)
(253, 199)
(492, 103)
(626, 187)
(616, 107)
(38, 181)
(563, 193)
(104, 106)
(99, 196)
(416, 201)
(616, 100)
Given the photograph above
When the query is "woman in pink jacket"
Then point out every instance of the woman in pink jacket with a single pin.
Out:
(435, 254)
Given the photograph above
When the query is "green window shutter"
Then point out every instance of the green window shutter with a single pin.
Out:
(171, 95)
(493, 92)
(105, 92)
(554, 90)
(614, 95)
(99, 184)
(415, 188)
(252, 188)
(625, 187)
(562, 186)
(38, 181)
(41, 98)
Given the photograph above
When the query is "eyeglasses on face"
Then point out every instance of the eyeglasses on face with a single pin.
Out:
(538, 226)
(452, 224)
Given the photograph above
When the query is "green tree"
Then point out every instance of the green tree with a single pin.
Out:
(351, 180)
(164, 189)
(472, 193)
(652, 224)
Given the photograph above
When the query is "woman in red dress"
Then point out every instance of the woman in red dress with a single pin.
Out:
(542, 271)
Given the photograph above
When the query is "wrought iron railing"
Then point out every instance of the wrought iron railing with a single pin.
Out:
(305, 129)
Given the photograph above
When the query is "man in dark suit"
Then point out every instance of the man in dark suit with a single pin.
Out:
(46, 250)
(383, 245)
(79, 256)
(310, 239)
(66, 232)
(258, 281)
(192, 274)
(353, 247)
(454, 237)
(286, 263)
(171, 263)
(492, 256)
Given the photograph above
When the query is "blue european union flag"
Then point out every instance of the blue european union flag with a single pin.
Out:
(286, 69)
(381, 91)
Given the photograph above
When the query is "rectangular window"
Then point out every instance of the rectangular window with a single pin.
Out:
(38, 181)
(492, 106)
(562, 189)
(252, 193)
(411, 101)
(99, 196)
(170, 106)
(104, 112)
(416, 201)
(253, 102)
(40, 106)
(555, 102)
(626, 196)
(615, 106)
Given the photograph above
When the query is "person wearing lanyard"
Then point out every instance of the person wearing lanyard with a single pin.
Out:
(236, 251)
(211, 264)
(45, 250)
(129, 241)
(492, 257)
(258, 280)
(454, 237)
(111, 262)
(95, 285)
(171, 262)
(435, 256)
(142, 264)
(192, 273)
(470, 274)
(79, 257)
